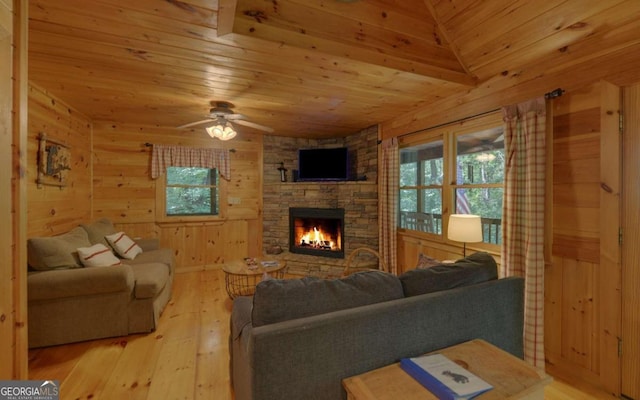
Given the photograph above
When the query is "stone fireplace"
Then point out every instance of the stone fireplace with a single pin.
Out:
(317, 231)
(358, 198)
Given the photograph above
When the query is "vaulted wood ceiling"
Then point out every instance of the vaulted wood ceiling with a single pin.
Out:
(310, 68)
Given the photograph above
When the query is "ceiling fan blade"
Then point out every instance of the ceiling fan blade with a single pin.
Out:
(196, 123)
(234, 117)
(253, 125)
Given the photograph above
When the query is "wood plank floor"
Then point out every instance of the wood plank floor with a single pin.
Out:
(185, 358)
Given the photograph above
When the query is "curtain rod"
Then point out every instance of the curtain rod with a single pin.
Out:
(147, 144)
(549, 95)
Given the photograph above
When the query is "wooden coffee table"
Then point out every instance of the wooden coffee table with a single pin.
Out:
(241, 277)
(511, 377)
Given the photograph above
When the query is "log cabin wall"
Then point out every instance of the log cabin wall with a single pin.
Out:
(6, 269)
(630, 249)
(125, 193)
(13, 133)
(582, 282)
(53, 210)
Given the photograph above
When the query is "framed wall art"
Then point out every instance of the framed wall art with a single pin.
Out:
(54, 162)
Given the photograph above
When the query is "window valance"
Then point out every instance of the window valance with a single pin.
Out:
(179, 156)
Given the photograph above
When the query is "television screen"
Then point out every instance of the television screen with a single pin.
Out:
(323, 164)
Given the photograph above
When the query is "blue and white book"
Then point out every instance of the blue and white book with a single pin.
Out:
(444, 378)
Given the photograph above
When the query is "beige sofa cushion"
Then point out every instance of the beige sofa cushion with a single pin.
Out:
(149, 279)
(163, 255)
(56, 252)
(97, 230)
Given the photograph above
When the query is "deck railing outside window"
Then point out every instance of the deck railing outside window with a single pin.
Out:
(432, 223)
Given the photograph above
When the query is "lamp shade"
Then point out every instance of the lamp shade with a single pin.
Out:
(465, 228)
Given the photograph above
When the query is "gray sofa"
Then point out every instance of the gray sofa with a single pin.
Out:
(297, 339)
(70, 303)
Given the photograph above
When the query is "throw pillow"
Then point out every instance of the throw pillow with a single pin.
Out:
(278, 300)
(424, 261)
(476, 268)
(97, 255)
(123, 245)
(56, 252)
(97, 230)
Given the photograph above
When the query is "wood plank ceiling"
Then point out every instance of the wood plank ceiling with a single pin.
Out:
(307, 68)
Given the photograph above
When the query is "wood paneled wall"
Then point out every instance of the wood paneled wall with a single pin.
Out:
(6, 234)
(54, 210)
(582, 283)
(125, 193)
(631, 250)
(13, 132)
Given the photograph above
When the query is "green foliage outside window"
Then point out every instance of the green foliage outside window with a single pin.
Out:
(476, 184)
(192, 191)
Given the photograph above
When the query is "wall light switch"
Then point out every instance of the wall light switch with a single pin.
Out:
(234, 200)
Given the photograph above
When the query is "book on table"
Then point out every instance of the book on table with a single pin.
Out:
(443, 377)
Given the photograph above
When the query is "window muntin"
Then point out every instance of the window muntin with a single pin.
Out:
(192, 192)
(475, 162)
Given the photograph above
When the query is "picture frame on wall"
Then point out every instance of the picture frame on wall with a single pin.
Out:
(54, 162)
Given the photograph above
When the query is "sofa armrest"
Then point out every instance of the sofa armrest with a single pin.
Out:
(148, 244)
(56, 284)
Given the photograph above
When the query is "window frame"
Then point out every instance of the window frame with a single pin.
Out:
(161, 202)
(448, 135)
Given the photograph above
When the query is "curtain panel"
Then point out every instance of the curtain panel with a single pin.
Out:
(388, 203)
(523, 214)
(180, 156)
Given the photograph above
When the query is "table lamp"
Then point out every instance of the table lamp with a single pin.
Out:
(465, 228)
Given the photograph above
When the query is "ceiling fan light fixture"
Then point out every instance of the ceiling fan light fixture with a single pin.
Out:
(222, 132)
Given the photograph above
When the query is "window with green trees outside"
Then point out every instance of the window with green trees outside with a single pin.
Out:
(192, 191)
(453, 173)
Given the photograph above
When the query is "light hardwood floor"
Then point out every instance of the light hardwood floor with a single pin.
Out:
(185, 358)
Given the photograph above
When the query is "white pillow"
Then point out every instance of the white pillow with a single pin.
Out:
(97, 255)
(123, 245)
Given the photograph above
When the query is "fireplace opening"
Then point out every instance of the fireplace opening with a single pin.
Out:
(317, 231)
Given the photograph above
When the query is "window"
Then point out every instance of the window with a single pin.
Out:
(191, 192)
(421, 173)
(453, 171)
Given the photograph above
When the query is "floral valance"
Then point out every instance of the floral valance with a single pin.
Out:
(180, 156)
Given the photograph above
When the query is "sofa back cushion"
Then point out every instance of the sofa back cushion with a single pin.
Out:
(97, 230)
(476, 268)
(278, 300)
(56, 252)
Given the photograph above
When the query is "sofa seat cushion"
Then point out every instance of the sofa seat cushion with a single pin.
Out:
(164, 256)
(150, 279)
(278, 300)
(476, 268)
(56, 252)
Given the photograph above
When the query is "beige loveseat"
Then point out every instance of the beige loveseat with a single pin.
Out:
(70, 303)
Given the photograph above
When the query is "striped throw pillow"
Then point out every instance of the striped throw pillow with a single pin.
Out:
(123, 245)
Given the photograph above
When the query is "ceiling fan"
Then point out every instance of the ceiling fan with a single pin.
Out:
(221, 115)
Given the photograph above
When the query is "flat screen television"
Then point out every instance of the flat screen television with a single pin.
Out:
(320, 164)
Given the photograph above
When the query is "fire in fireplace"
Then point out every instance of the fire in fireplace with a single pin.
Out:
(317, 231)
